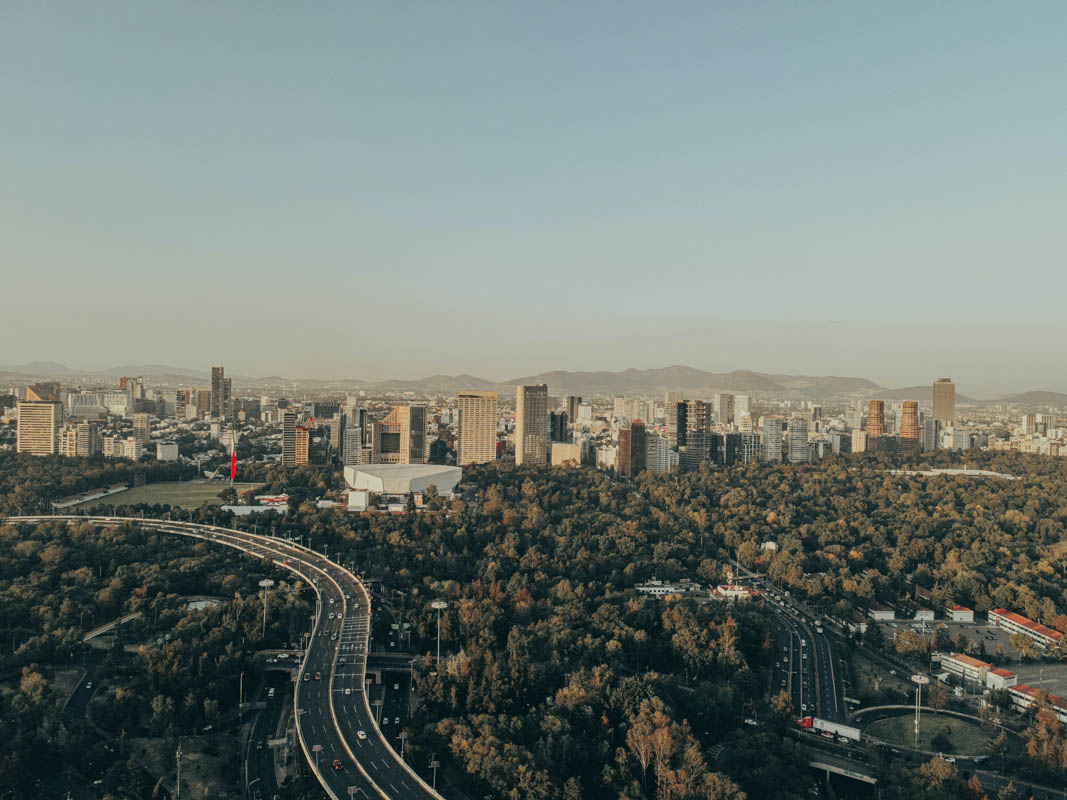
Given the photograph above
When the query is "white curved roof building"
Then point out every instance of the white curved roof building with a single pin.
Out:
(402, 478)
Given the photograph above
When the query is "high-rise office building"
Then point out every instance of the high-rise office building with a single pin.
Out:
(221, 401)
(931, 434)
(400, 438)
(859, 440)
(797, 437)
(38, 425)
(742, 405)
(910, 432)
(86, 439)
(724, 408)
(288, 438)
(772, 438)
(945, 402)
(141, 430)
(630, 455)
(303, 446)
(675, 428)
(558, 426)
(352, 450)
(750, 448)
(1029, 424)
(531, 425)
(476, 427)
(570, 405)
(43, 392)
(659, 458)
(875, 419)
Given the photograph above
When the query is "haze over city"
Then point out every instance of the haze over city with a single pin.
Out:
(533, 401)
(394, 191)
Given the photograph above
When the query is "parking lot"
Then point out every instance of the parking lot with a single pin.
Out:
(989, 636)
(1052, 676)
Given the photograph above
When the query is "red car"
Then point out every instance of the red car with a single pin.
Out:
(336, 765)
(318, 676)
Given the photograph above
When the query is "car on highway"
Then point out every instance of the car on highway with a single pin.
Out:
(396, 687)
(306, 677)
(336, 765)
(361, 734)
(318, 676)
(348, 690)
(396, 720)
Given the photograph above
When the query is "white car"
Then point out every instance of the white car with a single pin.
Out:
(396, 687)
(348, 691)
(361, 734)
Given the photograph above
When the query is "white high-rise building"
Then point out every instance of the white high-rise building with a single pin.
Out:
(798, 439)
(476, 435)
(742, 405)
(772, 438)
(659, 457)
(353, 445)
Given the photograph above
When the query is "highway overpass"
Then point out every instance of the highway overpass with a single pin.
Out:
(330, 705)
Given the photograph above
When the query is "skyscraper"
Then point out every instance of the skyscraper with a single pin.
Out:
(695, 446)
(674, 401)
(630, 456)
(910, 433)
(288, 438)
(772, 438)
(141, 430)
(37, 426)
(742, 405)
(875, 419)
(303, 446)
(570, 405)
(945, 402)
(221, 405)
(352, 451)
(531, 425)
(724, 408)
(558, 426)
(476, 427)
(400, 438)
(798, 439)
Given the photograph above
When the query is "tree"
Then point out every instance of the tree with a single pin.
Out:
(936, 697)
(782, 705)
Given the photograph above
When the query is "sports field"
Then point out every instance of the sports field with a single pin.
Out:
(187, 494)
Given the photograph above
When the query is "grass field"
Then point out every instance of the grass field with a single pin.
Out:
(967, 737)
(187, 494)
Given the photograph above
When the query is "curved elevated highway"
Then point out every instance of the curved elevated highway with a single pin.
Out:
(331, 707)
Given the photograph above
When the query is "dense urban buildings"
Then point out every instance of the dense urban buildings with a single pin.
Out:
(476, 427)
(531, 425)
(221, 388)
(400, 438)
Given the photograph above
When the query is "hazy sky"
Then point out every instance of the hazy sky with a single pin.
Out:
(394, 189)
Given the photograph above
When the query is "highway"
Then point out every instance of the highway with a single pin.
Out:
(334, 718)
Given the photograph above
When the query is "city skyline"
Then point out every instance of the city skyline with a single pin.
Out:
(794, 158)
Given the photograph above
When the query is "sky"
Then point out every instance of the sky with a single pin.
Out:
(375, 190)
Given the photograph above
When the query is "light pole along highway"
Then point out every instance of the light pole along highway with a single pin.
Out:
(332, 712)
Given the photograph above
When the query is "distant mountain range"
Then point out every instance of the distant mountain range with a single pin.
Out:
(694, 382)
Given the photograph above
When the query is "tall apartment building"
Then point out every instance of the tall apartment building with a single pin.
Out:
(675, 401)
(531, 425)
(910, 432)
(859, 440)
(301, 454)
(184, 397)
(141, 430)
(570, 405)
(659, 458)
(351, 439)
(945, 402)
(38, 426)
(772, 438)
(558, 427)
(400, 438)
(86, 439)
(931, 434)
(875, 419)
(288, 438)
(742, 405)
(630, 455)
(221, 400)
(724, 408)
(477, 418)
(797, 438)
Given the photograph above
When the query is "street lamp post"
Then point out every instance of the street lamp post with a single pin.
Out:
(439, 606)
(403, 740)
(316, 749)
(265, 584)
(434, 764)
(378, 707)
(921, 680)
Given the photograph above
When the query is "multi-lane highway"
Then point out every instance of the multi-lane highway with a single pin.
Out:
(335, 721)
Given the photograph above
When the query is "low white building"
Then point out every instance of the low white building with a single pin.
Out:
(881, 613)
(658, 588)
(403, 478)
(166, 451)
(958, 613)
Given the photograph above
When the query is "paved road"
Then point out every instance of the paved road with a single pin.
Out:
(331, 706)
(261, 778)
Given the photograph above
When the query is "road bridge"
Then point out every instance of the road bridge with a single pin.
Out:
(334, 720)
